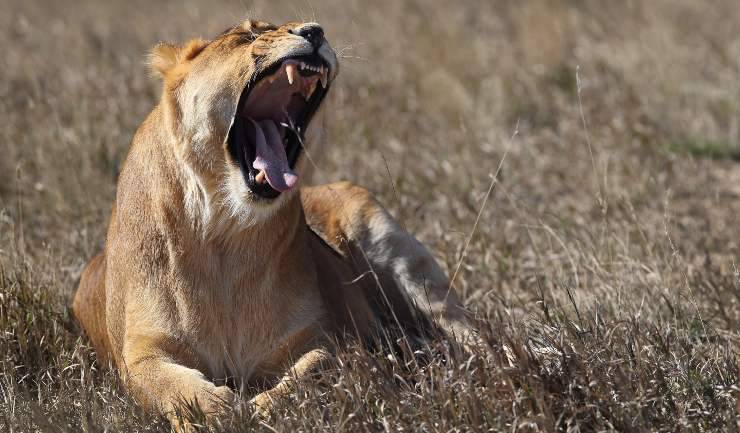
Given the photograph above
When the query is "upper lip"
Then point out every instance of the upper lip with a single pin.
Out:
(311, 60)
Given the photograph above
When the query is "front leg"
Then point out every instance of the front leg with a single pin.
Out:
(349, 219)
(308, 364)
(159, 373)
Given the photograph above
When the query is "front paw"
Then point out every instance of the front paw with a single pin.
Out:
(219, 399)
(212, 405)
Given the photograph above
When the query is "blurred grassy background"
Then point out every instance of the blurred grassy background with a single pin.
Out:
(605, 264)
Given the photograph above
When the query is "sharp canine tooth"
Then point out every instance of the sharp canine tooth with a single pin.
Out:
(291, 72)
(311, 89)
(324, 77)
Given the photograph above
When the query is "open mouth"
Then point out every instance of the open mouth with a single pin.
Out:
(272, 115)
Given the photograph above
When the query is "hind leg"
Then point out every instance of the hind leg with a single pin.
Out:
(352, 222)
(89, 306)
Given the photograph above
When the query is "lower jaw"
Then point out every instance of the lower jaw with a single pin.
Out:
(263, 192)
(273, 211)
(260, 191)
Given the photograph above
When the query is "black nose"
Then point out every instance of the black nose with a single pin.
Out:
(312, 32)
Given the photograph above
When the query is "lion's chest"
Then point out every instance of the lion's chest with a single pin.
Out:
(246, 315)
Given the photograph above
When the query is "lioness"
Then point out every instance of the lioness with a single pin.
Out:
(218, 271)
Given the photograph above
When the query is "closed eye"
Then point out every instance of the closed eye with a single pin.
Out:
(246, 37)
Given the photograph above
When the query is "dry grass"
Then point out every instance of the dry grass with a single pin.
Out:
(604, 267)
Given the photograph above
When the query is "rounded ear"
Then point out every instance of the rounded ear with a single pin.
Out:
(164, 56)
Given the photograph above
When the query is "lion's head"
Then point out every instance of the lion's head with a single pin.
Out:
(238, 106)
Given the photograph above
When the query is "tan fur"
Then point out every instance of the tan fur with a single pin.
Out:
(200, 284)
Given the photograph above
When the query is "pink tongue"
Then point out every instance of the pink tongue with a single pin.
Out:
(270, 155)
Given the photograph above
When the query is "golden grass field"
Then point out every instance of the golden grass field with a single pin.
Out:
(604, 265)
